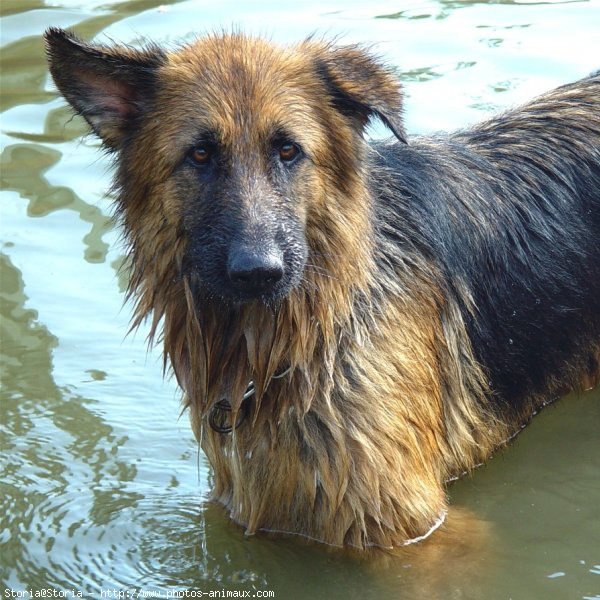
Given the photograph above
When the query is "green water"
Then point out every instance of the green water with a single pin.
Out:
(102, 482)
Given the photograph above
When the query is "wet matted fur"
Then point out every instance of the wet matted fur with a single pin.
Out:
(402, 308)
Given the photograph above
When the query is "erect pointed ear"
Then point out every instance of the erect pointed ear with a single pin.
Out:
(109, 87)
(361, 86)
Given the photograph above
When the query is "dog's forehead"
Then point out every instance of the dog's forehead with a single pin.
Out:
(235, 83)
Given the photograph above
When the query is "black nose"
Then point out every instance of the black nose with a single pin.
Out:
(254, 270)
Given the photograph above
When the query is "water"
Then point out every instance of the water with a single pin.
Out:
(103, 484)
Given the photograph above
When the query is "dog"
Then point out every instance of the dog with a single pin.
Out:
(352, 324)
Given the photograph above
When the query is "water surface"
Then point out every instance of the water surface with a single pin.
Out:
(103, 484)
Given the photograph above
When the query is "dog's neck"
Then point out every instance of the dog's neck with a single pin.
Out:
(216, 349)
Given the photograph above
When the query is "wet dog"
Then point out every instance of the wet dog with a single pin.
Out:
(352, 324)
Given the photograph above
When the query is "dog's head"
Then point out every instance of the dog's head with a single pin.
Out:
(247, 157)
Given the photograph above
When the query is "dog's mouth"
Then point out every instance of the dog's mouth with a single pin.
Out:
(269, 295)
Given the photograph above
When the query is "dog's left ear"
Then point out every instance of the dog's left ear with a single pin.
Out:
(108, 86)
(362, 87)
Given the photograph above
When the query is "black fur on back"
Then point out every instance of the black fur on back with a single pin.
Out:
(508, 213)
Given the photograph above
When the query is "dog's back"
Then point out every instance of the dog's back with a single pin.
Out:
(509, 211)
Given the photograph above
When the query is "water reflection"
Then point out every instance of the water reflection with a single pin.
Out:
(23, 168)
(13, 7)
(23, 73)
(63, 479)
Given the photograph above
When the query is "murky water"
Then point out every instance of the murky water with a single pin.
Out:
(102, 483)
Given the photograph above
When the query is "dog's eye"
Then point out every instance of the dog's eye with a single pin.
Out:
(200, 155)
(288, 152)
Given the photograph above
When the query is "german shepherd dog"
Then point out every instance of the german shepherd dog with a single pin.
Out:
(353, 324)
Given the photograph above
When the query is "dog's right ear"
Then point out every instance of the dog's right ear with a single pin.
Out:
(109, 87)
